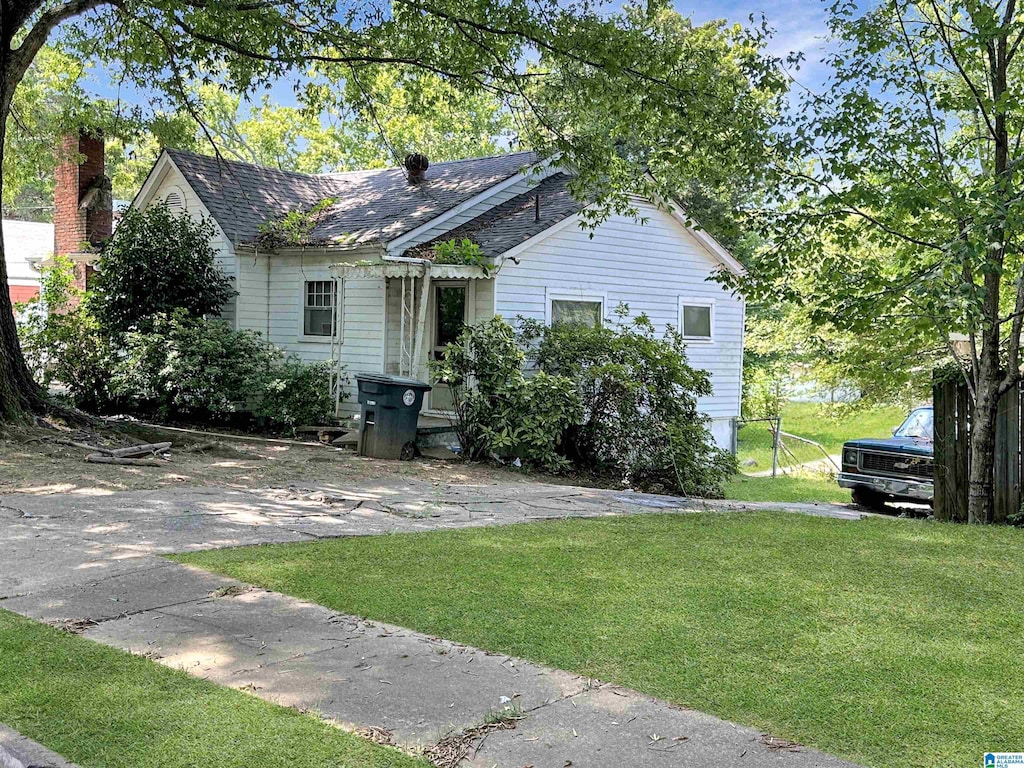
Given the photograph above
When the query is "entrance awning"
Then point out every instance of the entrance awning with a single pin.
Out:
(388, 269)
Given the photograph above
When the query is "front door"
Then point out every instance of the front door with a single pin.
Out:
(450, 313)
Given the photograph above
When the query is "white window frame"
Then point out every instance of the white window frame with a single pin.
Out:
(336, 314)
(595, 298)
(686, 301)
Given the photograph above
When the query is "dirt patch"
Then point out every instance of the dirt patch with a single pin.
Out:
(377, 735)
(775, 744)
(39, 460)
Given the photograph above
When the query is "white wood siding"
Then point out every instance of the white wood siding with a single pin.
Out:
(394, 319)
(171, 181)
(253, 293)
(362, 348)
(484, 300)
(649, 267)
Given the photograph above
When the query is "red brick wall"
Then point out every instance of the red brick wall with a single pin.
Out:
(72, 225)
(22, 293)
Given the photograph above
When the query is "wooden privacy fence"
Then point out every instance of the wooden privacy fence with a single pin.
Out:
(952, 454)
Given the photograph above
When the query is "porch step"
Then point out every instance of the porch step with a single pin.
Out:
(350, 438)
(431, 432)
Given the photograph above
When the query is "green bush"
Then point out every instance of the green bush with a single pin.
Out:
(176, 366)
(297, 393)
(498, 410)
(190, 367)
(157, 263)
(640, 424)
(60, 338)
(203, 370)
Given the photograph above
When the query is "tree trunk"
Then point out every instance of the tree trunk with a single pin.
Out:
(981, 479)
(20, 395)
(990, 375)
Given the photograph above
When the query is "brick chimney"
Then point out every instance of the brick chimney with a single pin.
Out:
(82, 204)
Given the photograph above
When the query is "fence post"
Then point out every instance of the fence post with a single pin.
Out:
(775, 445)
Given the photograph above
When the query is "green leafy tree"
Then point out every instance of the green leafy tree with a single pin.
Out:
(383, 113)
(157, 263)
(61, 340)
(899, 210)
(645, 145)
(605, 58)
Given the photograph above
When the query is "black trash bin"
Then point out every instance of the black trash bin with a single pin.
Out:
(390, 410)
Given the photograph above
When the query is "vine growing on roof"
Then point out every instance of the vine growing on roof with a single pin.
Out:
(463, 252)
(296, 227)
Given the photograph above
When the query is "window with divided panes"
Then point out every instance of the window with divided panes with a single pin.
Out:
(318, 308)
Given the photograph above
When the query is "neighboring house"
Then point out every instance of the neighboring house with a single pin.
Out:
(26, 245)
(363, 292)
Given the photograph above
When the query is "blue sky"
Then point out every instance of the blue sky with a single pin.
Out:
(799, 26)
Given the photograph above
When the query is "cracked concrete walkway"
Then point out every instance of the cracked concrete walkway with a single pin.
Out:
(17, 751)
(92, 562)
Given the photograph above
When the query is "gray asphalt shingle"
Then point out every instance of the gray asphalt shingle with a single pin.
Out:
(514, 221)
(371, 206)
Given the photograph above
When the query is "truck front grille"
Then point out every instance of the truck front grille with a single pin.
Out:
(897, 465)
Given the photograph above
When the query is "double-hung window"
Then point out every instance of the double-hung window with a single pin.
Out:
(318, 308)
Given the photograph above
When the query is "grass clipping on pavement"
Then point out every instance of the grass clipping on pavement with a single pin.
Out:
(890, 643)
(102, 707)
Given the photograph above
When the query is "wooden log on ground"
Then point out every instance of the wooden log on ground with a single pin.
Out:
(86, 447)
(140, 450)
(99, 458)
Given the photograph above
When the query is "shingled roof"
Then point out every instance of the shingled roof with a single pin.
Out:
(371, 206)
(515, 221)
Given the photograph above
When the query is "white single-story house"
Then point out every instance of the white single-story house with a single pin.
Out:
(363, 291)
(26, 245)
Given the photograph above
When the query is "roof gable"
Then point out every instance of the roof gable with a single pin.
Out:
(543, 210)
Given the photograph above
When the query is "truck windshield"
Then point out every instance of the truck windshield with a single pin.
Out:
(918, 424)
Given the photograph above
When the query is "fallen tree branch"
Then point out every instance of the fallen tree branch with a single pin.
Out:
(99, 458)
(229, 436)
(139, 450)
(87, 447)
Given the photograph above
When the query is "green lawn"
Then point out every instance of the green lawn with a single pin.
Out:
(805, 487)
(891, 643)
(813, 421)
(100, 707)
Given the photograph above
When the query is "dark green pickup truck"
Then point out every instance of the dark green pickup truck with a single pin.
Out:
(899, 468)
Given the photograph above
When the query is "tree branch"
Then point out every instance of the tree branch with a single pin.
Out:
(23, 55)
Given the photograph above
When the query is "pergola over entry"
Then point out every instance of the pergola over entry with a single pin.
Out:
(413, 305)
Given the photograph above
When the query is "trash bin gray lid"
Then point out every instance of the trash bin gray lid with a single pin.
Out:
(398, 381)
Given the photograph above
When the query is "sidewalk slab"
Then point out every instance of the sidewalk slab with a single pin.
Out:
(17, 751)
(610, 727)
(354, 672)
(155, 583)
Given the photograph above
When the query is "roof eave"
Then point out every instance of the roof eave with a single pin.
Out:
(374, 248)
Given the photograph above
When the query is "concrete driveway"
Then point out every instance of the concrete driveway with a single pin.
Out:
(92, 564)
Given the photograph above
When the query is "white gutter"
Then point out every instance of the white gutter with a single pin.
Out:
(408, 260)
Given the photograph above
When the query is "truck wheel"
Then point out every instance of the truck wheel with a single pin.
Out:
(869, 499)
